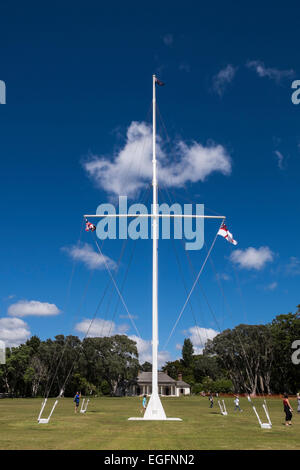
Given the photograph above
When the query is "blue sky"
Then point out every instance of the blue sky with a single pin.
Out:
(77, 76)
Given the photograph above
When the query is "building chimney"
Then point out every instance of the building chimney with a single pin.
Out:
(179, 377)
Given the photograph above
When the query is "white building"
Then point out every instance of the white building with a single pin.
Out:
(166, 385)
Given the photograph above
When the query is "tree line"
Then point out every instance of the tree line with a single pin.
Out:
(246, 359)
(106, 366)
(253, 359)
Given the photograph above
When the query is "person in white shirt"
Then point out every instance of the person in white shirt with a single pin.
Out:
(237, 403)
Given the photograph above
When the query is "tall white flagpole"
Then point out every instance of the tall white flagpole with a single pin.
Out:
(154, 256)
(154, 409)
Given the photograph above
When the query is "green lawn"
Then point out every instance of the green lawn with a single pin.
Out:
(105, 426)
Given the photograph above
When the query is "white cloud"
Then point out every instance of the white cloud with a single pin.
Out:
(130, 169)
(195, 163)
(199, 336)
(25, 308)
(293, 266)
(13, 331)
(223, 78)
(168, 39)
(252, 258)
(271, 73)
(89, 257)
(100, 327)
(271, 286)
(144, 348)
(280, 159)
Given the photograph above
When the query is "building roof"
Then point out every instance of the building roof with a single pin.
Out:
(182, 384)
(162, 378)
(146, 377)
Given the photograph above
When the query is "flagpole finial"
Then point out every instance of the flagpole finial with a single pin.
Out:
(158, 82)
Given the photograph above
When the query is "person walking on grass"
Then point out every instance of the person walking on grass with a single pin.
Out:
(298, 401)
(211, 399)
(287, 409)
(76, 401)
(144, 404)
(237, 403)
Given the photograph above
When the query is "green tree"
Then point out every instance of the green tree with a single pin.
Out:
(174, 368)
(146, 367)
(60, 359)
(285, 330)
(207, 366)
(12, 373)
(35, 374)
(117, 358)
(246, 352)
(187, 353)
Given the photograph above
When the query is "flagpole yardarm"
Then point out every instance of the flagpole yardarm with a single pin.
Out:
(159, 215)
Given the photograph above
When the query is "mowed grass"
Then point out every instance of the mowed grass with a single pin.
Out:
(105, 426)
